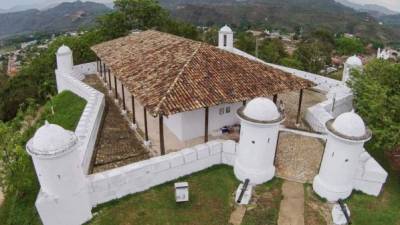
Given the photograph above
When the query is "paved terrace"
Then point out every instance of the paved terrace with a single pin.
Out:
(117, 144)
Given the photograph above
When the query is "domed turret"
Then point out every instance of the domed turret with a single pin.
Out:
(50, 141)
(346, 137)
(226, 29)
(352, 63)
(64, 197)
(225, 38)
(260, 121)
(349, 124)
(64, 60)
(261, 109)
(63, 50)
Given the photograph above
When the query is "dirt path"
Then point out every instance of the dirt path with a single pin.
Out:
(237, 215)
(291, 211)
(298, 157)
(1, 197)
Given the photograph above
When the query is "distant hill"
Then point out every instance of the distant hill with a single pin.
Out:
(282, 14)
(63, 17)
(372, 9)
(393, 20)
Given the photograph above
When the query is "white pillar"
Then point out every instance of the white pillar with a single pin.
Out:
(64, 196)
(64, 60)
(260, 120)
(225, 38)
(352, 63)
(65, 63)
(346, 137)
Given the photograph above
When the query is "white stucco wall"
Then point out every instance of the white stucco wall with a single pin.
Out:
(140, 176)
(91, 118)
(190, 125)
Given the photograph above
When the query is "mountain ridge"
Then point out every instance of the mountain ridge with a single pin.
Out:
(373, 9)
(66, 16)
(286, 15)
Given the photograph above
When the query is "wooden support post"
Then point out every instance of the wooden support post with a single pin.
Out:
(101, 68)
(146, 133)
(161, 126)
(116, 87)
(206, 125)
(275, 98)
(276, 148)
(133, 110)
(109, 79)
(105, 72)
(244, 102)
(123, 97)
(299, 107)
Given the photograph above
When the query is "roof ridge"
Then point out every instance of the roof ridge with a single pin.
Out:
(157, 109)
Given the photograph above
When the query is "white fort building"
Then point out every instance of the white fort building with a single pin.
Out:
(183, 95)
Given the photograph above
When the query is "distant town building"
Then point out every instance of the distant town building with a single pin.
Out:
(27, 44)
(387, 53)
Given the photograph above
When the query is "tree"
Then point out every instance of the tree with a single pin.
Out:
(377, 100)
(179, 28)
(272, 51)
(324, 36)
(349, 46)
(113, 25)
(292, 63)
(210, 36)
(141, 14)
(312, 55)
(246, 42)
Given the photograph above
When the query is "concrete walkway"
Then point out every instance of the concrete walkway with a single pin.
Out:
(237, 215)
(291, 211)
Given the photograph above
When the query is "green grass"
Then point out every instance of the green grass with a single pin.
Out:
(266, 210)
(211, 202)
(18, 207)
(313, 204)
(371, 210)
(382, 210)
(67, 108)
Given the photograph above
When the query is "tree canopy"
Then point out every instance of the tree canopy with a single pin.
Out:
(349, 46)
(377, 100)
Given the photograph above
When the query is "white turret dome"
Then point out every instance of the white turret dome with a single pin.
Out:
(63, 50)
(354, 61)
(51, 140)
(226, 29)
(261, 109)
(350, 124)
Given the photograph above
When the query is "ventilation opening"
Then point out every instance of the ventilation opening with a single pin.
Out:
(225, 40)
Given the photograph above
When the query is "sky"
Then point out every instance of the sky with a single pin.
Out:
(6, 4)
(390, 4)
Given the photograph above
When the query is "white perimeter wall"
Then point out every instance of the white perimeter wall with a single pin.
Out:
(317, 115)
(140, 176)
(91, 118)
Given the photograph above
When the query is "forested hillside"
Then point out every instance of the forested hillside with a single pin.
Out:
(64, 17)
(282, 14)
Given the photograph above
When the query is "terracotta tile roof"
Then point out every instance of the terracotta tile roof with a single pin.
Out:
(170, 74)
